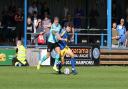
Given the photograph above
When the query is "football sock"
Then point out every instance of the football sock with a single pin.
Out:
(43, 59)
(73, 62)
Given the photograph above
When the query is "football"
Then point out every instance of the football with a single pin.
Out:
(17, 64)
(66, 71)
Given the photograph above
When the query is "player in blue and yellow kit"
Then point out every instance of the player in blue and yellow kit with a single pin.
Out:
(65, 49)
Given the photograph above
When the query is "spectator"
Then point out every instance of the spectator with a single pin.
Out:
(5, 17)
(66, 11)
(40, 32)
(121, 32)
(10, 17)
(30, 30)
(45, 9)
(46, 23)
(77, 20)
(39, 6)
(29, 25)
(114, 36)
(126, 43)
(18, 17)
(32, 9)
(126, 23)
(93, 18)
(34, 19)
(66, 19)
(39, 28)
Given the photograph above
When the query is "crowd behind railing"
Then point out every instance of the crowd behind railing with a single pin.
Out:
(11, 24)
(39, 22)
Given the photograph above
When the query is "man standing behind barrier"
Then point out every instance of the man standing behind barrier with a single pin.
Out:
(20, 59)
(115, 36)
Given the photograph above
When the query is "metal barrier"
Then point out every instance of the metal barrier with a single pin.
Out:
(7, 36)
(102, 37)
(13, 28)
(33, 38)
(78, 32)
(101, 40)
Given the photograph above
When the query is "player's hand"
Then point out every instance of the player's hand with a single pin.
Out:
(65, 40)
(41, 32)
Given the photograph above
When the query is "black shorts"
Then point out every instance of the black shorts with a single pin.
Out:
(51, 46)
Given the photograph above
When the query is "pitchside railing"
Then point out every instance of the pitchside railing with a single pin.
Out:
(7, 36)
(80, 37)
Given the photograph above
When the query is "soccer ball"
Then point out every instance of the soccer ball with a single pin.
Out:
(66, 71)
(17, 64)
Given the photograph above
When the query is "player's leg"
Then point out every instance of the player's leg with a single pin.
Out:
(61, 61)
(60, 64)
(62, 54)
(43, 59)
(49, 49)
(57, 58)
(73, 60)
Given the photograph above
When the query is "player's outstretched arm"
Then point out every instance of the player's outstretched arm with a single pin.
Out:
(58, 36)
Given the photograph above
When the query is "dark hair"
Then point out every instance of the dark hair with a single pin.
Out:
(69, 24)
(34, 12)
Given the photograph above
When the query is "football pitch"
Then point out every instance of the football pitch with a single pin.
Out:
(100, 77)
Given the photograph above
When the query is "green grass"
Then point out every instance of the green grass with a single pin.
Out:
(104, 77)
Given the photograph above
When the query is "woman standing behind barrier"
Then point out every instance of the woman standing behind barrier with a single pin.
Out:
(122, 33)
(40, 32)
